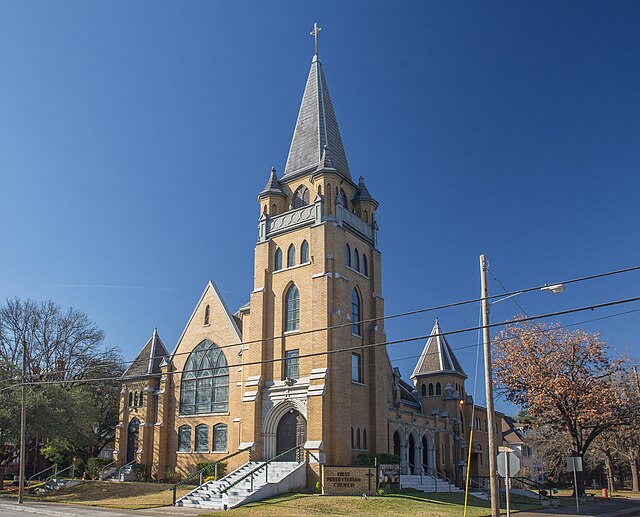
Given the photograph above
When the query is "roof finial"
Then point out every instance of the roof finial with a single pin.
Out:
(316, 30)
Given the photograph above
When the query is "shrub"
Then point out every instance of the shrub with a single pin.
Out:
(368, 459)
(140, 472)
(171, 476)
(318, 487)
(209, 468)
(95, 466)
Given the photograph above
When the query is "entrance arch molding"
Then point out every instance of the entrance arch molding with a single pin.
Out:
(270, 425)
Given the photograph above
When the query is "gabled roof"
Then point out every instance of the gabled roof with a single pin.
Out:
(273, 185)
(148, 360)
(437, 356)
(316, 128)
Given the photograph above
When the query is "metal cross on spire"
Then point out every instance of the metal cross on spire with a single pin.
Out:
(316, 30)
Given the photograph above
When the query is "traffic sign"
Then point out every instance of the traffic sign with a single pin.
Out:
(514, 464)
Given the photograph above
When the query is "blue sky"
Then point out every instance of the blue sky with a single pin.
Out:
(134, 138)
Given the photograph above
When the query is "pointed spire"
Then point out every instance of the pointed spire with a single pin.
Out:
(437, 356)
(273, 185)
(362, 194)
(316, 128)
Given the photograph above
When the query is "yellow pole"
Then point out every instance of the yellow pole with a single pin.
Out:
(466, 488)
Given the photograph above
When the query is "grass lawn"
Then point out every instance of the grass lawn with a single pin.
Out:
(130, 495)
(414, 504)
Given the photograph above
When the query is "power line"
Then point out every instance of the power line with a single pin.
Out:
(384, 343)
(459, 348)
(391, 316)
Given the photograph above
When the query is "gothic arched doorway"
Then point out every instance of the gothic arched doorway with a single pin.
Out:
(425, 454)
(396, 443)
(132, 439)
(291, 432)
(412, 454)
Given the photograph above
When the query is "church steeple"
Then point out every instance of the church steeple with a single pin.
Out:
(316, 128)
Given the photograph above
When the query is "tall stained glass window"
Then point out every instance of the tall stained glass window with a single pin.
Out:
(205, 381)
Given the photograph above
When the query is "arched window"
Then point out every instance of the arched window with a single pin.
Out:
(205, 381)
(207, 314)
(356, 260)
(220, 438)
(328, 199)
(358, 439)
(364, 438)
(438, 389)
(202, 438)
(304, 252)
(277, 266)
(130, 398)
(431, 389)
(184, 438)
(141, 399)
(423, 390)
(346, 200)
(356, 315)
(347, 255)
(292, 309)
(366, 216)
(274, 209)
(301, 197)
(135, 399)
(352, 438)
(291, 256)
(365, 266)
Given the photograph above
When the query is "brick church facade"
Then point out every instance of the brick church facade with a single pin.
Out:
(296, 365)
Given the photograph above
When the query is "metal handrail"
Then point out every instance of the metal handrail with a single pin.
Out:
(38, 473)
(58, 472)
(264, 465)
(125, 465)
(201, 471)
(105, 468)
(437, 475)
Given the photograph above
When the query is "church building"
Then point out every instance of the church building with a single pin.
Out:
(302, 366)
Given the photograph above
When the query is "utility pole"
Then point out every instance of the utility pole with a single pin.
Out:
(488, 376)
(23, 422)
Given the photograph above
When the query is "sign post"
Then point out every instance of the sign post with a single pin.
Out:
(574, 464)
(507, 463)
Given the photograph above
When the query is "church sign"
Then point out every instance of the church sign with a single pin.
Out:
(348, 480)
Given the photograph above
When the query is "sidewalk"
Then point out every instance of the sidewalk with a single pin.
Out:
(612, 508)
(11, 509)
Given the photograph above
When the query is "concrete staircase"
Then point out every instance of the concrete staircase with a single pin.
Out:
(53, 484)
(276, 478)
(426, 483)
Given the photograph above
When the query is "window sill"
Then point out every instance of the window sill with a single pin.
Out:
(291, 332)
(356, 271)
(184, 452)
(225, 413)
(358, 383)
(356, 335)
(292, 267)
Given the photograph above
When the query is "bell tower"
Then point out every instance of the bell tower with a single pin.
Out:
(312, 314)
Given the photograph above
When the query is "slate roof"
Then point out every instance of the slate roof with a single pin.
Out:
(362, 194)
(148, 360)
(406, 393)
(273, 185)
(316, 128)
(437, 356)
